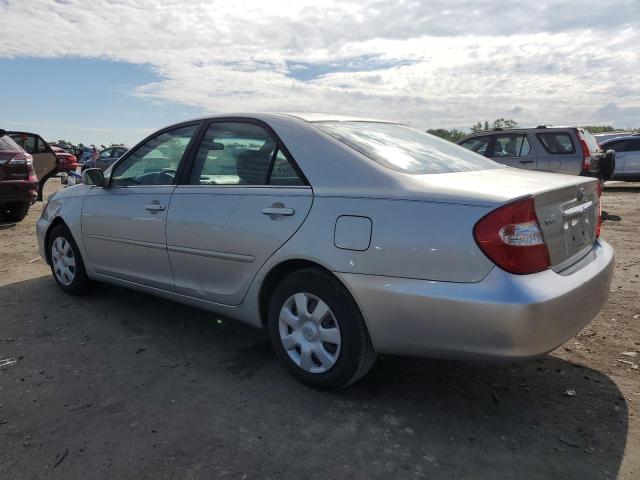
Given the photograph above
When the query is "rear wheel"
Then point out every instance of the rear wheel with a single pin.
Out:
(67, 266)
(14, 211)
(318, 331)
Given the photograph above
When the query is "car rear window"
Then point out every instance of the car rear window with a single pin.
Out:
(405, 149)
(7, 143)
(557, 142)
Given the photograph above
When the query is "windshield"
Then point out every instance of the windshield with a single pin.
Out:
(405, 149)
(7, 143)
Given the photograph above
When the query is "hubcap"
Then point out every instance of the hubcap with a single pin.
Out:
(309, 333)
(63, 260)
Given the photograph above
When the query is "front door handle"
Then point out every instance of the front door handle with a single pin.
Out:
(155, 207)
(526, 161)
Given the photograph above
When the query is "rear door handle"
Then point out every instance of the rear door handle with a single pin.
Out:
(526, 161)
(155, 207)
(278, 211)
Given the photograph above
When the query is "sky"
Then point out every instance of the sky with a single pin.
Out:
(103, 71)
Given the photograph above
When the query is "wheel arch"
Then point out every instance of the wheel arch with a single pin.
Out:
(56, 221)
(277, 273)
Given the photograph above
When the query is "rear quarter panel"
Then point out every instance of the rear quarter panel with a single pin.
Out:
(409, 239)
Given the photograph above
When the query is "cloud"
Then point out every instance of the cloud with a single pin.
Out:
(439, 63)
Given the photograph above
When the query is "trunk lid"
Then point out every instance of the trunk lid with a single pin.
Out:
(566, 205)
(568, 217)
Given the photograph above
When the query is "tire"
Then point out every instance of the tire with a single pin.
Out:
(346, 355)
(15, 211)
(70, 277)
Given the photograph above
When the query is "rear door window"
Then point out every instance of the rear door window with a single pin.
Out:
(283, 173)
(557, 142)
(511, 145)
(477, 144)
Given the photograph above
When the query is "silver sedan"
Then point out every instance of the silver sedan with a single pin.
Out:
(342, 237)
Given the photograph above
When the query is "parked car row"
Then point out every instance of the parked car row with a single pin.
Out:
(106, 158)
(27, 161)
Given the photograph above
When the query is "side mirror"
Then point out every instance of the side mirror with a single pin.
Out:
(93, 176)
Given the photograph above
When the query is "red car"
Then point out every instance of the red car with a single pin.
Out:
(18, 181)
(67, 162)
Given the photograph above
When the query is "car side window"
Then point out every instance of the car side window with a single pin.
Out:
(617, 146)
(41, 145)
(283, 172)
(557, 142)
(632, 145)
(477, 144)
(156, 161)
(27, 142)
(105, 154)
(511, 145)
(233, 154)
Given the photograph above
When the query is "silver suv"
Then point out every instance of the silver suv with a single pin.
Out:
(568, 150)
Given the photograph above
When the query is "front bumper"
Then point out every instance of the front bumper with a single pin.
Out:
(42, 226)
(504, 316)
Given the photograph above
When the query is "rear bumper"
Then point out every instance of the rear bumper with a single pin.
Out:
(504, 316)
(18, 191)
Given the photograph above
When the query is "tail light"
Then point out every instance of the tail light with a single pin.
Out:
(599, 222)
(586, 154)
(21, 159)
(512, 238)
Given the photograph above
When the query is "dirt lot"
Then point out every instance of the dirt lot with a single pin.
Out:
(120, 384)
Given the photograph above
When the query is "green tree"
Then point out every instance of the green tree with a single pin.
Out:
(598, 128)
(453, 135)
(498, 123)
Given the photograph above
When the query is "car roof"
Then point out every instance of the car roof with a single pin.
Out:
(634, 136)
(21, 133)
(309, 117)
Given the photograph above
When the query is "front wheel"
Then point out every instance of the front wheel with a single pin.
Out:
(318, 331)
(67, 266)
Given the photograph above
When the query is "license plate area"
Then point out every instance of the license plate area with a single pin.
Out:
(579, 226)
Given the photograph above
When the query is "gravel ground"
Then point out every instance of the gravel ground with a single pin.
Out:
(118, 384)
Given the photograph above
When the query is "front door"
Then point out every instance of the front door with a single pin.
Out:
(123, 225)
(244, 199)
(632, 157)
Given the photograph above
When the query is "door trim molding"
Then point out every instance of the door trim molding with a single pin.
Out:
(127, 241)
(235, 257)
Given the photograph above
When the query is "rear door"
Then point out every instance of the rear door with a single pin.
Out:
(560, 152)
(242, 200)
(514, 150)
(123, 226)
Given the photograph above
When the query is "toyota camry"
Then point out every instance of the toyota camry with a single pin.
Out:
(342, 237)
